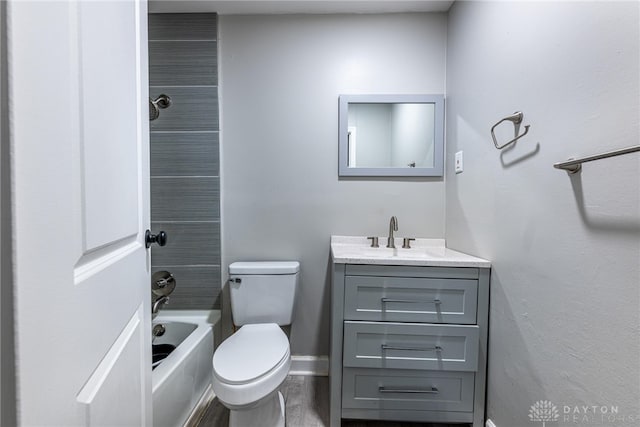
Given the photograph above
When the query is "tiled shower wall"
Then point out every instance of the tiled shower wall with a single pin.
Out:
(185, 182)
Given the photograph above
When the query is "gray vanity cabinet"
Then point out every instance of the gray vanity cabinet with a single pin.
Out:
(408, 343)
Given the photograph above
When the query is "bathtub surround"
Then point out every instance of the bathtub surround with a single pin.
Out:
(280, 81)
(565, 249)
(185, 182)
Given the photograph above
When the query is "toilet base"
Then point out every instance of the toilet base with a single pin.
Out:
(267, 413)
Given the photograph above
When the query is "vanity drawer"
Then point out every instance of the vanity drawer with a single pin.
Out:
(411, 346)
(411, 299)
(407, 390)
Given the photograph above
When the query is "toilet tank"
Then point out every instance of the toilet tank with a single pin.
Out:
(263, 292)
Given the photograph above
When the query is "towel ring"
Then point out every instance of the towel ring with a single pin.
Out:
(516, 119)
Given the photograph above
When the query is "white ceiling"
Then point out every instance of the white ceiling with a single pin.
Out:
(237, 7)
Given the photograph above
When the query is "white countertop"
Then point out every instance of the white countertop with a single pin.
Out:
(423, 252)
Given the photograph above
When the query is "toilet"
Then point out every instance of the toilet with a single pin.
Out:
(250, 366)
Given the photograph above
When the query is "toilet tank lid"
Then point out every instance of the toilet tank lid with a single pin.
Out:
(264, 267)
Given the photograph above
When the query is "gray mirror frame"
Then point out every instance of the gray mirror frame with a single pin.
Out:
(343, 119)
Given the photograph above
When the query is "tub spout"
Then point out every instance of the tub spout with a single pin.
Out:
(159, 303)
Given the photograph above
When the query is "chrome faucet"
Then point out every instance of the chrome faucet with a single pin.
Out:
(158, 303)
(393, 226)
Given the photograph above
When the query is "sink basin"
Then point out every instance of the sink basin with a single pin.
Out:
(404, 253)
(424, 252)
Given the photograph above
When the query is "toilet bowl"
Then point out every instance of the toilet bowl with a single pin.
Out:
(250, 366)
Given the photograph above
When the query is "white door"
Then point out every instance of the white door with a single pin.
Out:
(79, 132)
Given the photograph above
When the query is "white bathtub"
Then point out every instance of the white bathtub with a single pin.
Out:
(182, 381)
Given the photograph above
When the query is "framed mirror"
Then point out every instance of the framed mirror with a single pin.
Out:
(391, 135)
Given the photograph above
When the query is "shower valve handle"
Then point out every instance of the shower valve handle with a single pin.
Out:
(160, 238)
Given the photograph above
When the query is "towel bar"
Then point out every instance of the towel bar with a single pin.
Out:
(575, 165)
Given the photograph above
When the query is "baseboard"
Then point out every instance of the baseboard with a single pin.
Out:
(309, 365)
(490, 423)
(201, 407)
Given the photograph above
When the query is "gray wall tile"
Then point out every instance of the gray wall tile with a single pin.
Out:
(184, 154)
(196, 287)
(194, 299)
(192, 108)
(183, 63)
(185, 199)
(183, 26)
(188, 244)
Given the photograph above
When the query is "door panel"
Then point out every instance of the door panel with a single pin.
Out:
(105, 391)
(78, 79)
(108, 121)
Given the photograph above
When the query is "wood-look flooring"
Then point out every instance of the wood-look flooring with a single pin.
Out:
(307, 405)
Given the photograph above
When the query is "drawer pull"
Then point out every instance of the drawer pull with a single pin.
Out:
(399, 347)
(434, 301)
(433, 390)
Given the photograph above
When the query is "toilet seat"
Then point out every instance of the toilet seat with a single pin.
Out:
(251, 364)
(250, 353)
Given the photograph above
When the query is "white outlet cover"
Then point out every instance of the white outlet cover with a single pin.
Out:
(458, 162)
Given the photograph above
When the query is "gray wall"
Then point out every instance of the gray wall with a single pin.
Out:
(282, 199)
(565, 250)
(185, 179)
(7, 360)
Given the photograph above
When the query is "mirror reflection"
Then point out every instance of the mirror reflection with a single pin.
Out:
(391, 135)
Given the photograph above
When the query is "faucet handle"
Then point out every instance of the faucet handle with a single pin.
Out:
(406, 242)
(374, 242)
